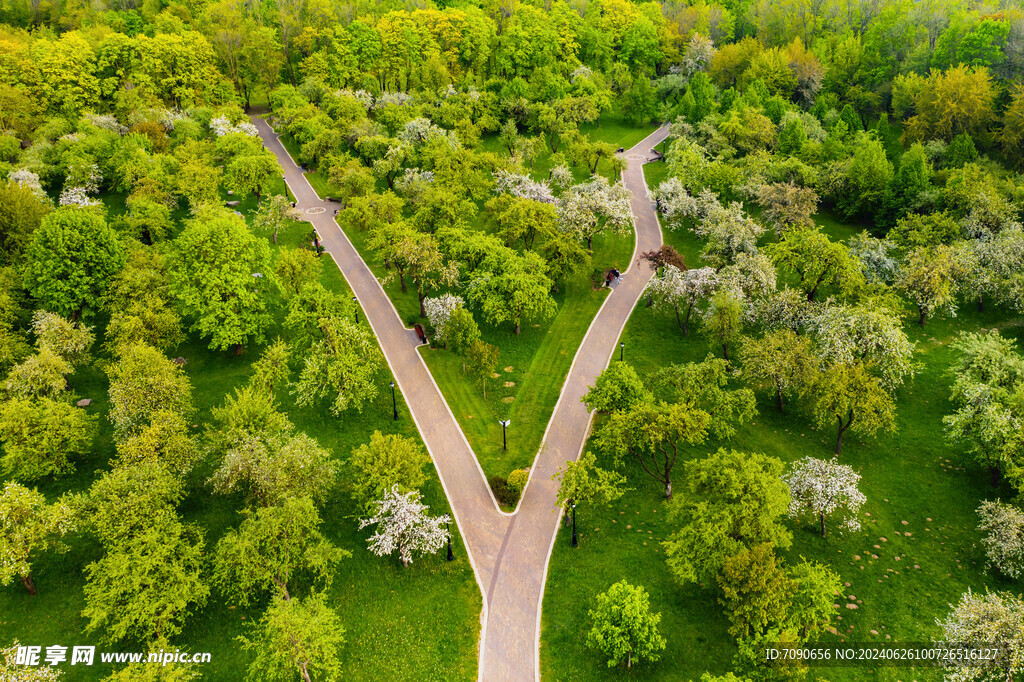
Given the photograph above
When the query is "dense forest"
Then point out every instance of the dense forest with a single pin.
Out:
(196, 419)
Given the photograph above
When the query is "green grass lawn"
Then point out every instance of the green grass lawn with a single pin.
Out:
(415, 623)
(901, 584)
(614, 129)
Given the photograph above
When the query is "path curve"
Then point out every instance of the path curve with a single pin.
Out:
(509, 552)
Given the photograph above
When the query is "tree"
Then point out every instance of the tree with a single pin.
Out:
(823, 489)
(439, 311)
(342, 367)
(21, 213)
(275, 468)
(403, 526)
(811, 607)
(638, 103)
(28, 527)
(461, 332)
(221, 274)
(165, 440)
(755, 590)
(386, 461)
(723, 319)
(618, 387)
(145, 588)
(817, 261)
(140, 304)
(12, 668)
(41, 437)
(70, 341)
(43, 375)
(481, 360)
(728, 230)
(582, 482)
(705, 385)
(848, 396)
(867, 179)
(272, 215)
(955, 101)
(1003, 526)
(296, 635)
(931, 278)
(509, 290)
(911, 181)
(781, 362)
(653, 434)
(294, 268)
(864, 333)
(730, 501)
(996, 619)
(273, 550)
(787, 205)
(71, 260)
(681, 290)
(623, 627)
(142, 382)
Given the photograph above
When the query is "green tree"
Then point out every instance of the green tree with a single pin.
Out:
(867, 179)
(70, 261)
(461, 332)
(931, 278)
(386, 461)
(623, 627)
(817, 261)
(273, 550)
(142, 382)
(811, 606)
(41, 437)
(125, 501)
(847, 396)
(961, 151)
(755, 590)
(723, 320)
(28, 527)
(653, 434)
(43, 375)
(294, 268)
(221, 274)
(730, 501)
(481, 359)
(145, 588)
(780, 362)
(639, 103)
(341, 368)
(21, 213)
(509, 290)
(583, 482)
(296, 635)
(165, 439)
(618, 387)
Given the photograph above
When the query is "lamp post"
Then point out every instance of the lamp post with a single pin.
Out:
(448, 528)
(356, 302)
(394, 405)
(622, 349)
(575, 542)
(504, 424)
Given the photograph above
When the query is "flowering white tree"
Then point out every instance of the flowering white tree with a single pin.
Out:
(997, 619)
(27, 179)
(221, 126)
(12, 669)
(413, 183)
(1003, 525)
(697, 55)
(403, 526)
(674, 202)
(849, 334)
(823, 489)
(106, 122)
(995, 264)
(561, 176)
(875, 257)
(727, 229)
(586, 209)
(682, 290)
(439, 310)
(523, 186)
(70, 341)
(786, 308)
(752, 274)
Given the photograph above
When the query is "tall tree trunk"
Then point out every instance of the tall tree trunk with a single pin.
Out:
(668, 489)
(238, 349)
(981, 305)
(778, 399)
(26, 580)
(401, 278)
(822, 516)
(725, 351)
(923, 315)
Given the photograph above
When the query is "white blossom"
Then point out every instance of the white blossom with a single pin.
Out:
(76, 196)
(27, 179)
(420, 130)
(727, 229)
(751, 274)
(561, 176)
(106, 122)
(824, 489)
(403, 526)
(585, 208)
(413, 183)
(222, 126)
(674, 202)
(439, 310)
(849, 334)
(581, 72)
(682, 290)
(786, 308)
(997, 619)
(400, 99)
(875, 258)
(523, 186)
(697, 55)
(11, 670)
(1003, 525)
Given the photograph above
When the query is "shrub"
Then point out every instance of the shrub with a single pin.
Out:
(503, 492)
(517, 481)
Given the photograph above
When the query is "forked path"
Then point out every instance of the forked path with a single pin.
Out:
(509, 552)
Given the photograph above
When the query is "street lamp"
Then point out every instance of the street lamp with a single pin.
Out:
(575, 542)
(394, 405)
(622, 349)
(504, 424)
(356, 302)
(448, 528)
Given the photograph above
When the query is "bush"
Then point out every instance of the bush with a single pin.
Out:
(517, 480)
(1003, 526)
(504, 493)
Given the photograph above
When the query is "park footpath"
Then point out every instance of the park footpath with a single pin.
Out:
(509, 552)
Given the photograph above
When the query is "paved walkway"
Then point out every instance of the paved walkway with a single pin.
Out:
(509, 552)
